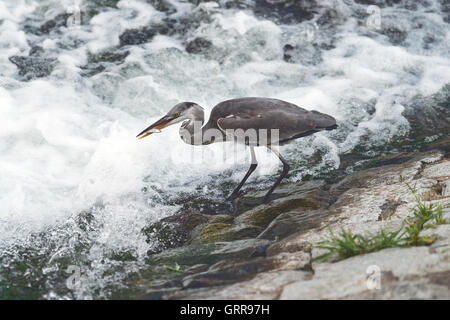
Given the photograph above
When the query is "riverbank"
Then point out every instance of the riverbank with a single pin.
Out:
(266, 252)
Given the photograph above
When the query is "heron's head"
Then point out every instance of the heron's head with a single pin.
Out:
(180, 112)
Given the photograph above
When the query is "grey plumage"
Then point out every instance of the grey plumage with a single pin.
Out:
(241, 115)
(264, 113)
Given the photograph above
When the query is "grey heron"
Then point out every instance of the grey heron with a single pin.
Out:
(233, 119)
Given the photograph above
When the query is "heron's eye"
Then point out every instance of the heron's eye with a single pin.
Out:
(177, 114)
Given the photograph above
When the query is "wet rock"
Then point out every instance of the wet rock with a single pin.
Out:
(163, 5)
(104, 3)
(249, 223)
(137, 36)
(65, 19)
(55, 23)
(197, 268)
(441, 144)
(160, 271)
(213, 232)
(262, 215)
(173, 231)
(228, 271)
(293, 222)
(84, 12)
(330, 18)
(163, 236)
(221, 218)
(287, 11)
(416, 272)
(306, 54)
(234, 277)
(99, 62)
(306, 196)
(429, 115)
(109, 56)
(240, 248)
(253, 199)
(192, 259)
(428, 40)
(92, 70)
(396, 35)
(198, 45)
(287, 52)
(231, 270)
(186, 256)
(34, 65)
(262, 286)
(158, 294)
(379, 3)
(183, 23)
(300, 216)
(284, 11)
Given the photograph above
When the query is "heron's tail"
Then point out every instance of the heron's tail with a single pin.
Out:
(322, 121)
(334, 126)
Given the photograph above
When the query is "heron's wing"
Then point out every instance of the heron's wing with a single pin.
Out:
(290, 120)
(288, 123)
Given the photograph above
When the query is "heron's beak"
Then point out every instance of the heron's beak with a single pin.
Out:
(156, 127)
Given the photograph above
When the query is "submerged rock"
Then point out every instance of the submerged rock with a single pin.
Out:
(193, 259)
(173, 231)
(396, 35)
(34, 65)
(163, 5)
(429, 115)
(284, 11)
(109, 56)
(137, 36)
(380, 3)
(198, 45)
(98, 62)
(212, 232)
(55, 23)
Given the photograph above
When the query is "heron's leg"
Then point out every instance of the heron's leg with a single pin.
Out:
(253, 166)
(286, 168)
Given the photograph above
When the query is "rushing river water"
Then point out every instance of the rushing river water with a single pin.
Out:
(76, 86)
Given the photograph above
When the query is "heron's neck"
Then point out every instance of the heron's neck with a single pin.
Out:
(191, 132)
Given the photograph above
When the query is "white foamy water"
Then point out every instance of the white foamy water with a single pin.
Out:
(67, 141)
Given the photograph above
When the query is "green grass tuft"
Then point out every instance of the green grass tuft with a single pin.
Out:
(346, 244)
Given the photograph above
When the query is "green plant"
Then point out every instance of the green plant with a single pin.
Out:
(438, 216)
(346, 244)
(425, 212)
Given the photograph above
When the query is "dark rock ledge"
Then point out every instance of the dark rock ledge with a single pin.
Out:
(263, 252)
